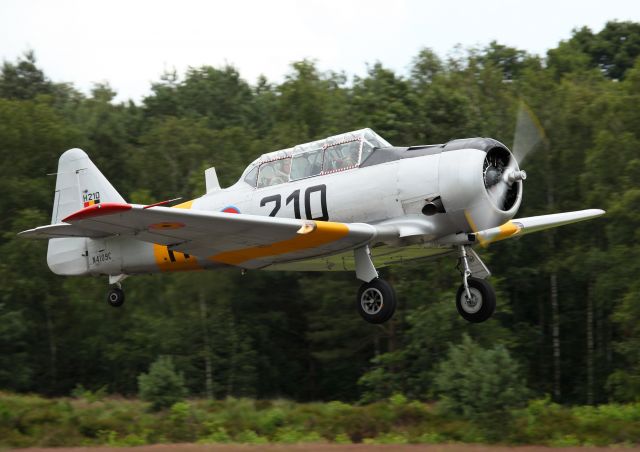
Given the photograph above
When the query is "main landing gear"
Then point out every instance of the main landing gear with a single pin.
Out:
(115, 296)
(476, 299)
(377, 301)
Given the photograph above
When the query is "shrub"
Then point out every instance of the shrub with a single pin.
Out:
(388, 438)
(163, 385)
(250, 437)
(80, 392)
(219, 436)
(479, 384)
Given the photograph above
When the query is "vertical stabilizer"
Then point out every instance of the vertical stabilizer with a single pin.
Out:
(79, 184)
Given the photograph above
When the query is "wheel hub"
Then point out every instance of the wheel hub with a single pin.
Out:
(473, 304)
(371, 301)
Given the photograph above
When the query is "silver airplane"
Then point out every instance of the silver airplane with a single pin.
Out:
(350, 202)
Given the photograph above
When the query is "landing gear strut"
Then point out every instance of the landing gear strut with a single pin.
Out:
(376, 301)
(476, 299)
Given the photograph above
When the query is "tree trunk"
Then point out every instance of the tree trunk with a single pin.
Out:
(555, 320)
(53, 348)
(233, 358)
(542, 362)
(208, 368)
(590, 345)
(553, 285)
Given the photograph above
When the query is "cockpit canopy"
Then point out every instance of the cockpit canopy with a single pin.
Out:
(329, 155)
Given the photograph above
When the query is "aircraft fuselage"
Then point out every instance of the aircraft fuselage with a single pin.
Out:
(374, 194)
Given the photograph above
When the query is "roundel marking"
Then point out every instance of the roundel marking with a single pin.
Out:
(166, 225)
(231, 209)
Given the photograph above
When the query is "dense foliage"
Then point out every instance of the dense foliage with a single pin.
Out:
(477, 383)
(35, 421)
(163, 386)
(567, 300)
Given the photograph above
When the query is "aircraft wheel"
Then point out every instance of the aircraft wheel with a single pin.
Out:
(482, 303)
(376, 301)
(115, 297)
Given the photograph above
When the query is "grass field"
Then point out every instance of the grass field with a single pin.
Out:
(245, 424)
(331, 448)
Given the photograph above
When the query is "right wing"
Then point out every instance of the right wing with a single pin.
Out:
(523, 226)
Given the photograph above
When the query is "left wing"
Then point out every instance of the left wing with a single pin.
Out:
(523, 226)
(248, 241)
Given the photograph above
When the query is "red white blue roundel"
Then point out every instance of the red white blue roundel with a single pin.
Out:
(231, 209)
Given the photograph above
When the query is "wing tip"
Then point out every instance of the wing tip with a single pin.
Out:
(592, 213)
(26, 234)
(32, 234)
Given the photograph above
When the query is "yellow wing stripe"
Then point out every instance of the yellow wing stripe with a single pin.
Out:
(173, 261)
(184, 205)
(502, 232)
(507, 230)
(325, 232)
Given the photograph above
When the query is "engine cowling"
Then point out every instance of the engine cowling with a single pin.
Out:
(480, 189)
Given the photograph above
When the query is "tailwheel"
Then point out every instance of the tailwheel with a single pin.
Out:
(115, 297)
(376, 301)
(479, 303)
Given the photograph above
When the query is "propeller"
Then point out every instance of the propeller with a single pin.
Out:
(528, 134)
(501, 169)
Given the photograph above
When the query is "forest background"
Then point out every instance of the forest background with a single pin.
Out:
(567, 316)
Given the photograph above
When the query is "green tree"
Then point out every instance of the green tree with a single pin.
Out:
(15, 372)
(23, 80)
(476, 383)
(163, 385)
(613, 50)
(382, 101)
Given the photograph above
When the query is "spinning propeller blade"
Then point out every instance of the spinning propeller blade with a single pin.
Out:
(528, 134)
(500, 175)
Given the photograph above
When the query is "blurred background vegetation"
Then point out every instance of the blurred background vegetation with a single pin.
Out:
(566, 325)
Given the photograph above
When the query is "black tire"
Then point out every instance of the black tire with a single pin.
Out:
(115, 297)
(483, 304)
(376, 301)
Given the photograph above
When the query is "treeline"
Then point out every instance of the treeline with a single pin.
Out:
(567, 317)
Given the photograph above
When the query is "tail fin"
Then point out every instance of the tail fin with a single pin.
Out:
(79, 184)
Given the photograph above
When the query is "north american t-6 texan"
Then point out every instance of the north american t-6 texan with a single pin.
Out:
(350, 202)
